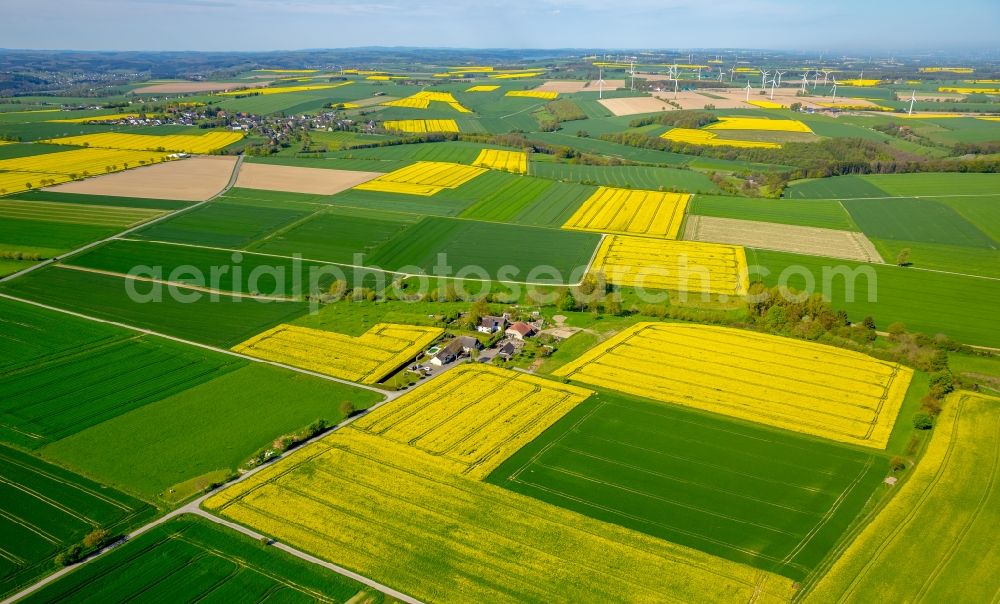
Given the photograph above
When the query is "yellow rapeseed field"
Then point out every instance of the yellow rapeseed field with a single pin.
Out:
(367, 358)
(83, 162)
(418, 126)
(692, 136)
(423, 178)
(423, 99)
(401, 518)
(758, 123)
(282, 89)
(684, 266)
(855, 107)
(929, 115)
(631, 211)
(548, 95)
(16, 182)
(767, 104)
(859, 83)
(946, 69)
(482, 88)
(113, 117)
(182, 143)
(498, 159)
(475, 415)
(286, 70)
(967, 90)
(935, 541)
(792, 384)
(378, 78)
(515, 76)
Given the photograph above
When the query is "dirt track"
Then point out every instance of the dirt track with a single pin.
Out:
(848, 245)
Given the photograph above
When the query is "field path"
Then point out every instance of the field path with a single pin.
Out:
(93, 244)
(194, 507)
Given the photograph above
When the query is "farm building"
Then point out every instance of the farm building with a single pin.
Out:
(455, 349)
(520, 330)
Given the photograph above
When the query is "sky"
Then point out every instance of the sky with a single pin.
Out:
(843, 26)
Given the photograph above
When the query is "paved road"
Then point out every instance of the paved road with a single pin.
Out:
(142, 225)
(194, 507)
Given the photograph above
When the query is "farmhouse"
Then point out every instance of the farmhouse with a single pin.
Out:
(520, 330)
(493, 324)
(455, 349)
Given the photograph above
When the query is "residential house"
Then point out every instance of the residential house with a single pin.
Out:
(493, 324)
(520, 330)
(455, 349)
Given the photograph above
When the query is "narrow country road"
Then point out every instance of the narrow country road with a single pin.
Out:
(194, 507)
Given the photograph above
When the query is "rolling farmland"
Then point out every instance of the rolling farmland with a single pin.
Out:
(45, 509)
(189, 558)
(366, 359)
(912, 551)
(799, 386)
(762, 497)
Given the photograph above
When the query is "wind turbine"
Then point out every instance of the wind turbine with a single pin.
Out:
(675, 86)
(763, 78)
(732, 70)
(699, 72)
(834, 89)
(780, 73)
(805, 83)
(748, 90)
(632, 72)
(913, 99)
(773, 84)
(826, 74)
(600, 83)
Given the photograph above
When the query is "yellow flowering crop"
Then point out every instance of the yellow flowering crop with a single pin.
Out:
(767, 104)
(377, 78)
(475, 416)
(792, 384)
(966, 90)
(418, 126)
(990, 119)
(113, 117)
(423, 178)
(82, 162)
(935, 540)
(404, 518)
(855, 107)
(859, 83)
(282, 89)
(533, 94)
(184, 143)
(367, 358)
(511, 161)
(685, 266)
(946, 69)
(631, 211)
(16, 182)
(694, 136)
(423, 99)
(929, 115)
(758, 123)
(471, 69)
(482, 88)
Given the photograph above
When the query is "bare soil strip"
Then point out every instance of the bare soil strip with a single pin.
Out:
(192, 179)
(848, 245)
(638, 104)
(179, 87)
(318, 181)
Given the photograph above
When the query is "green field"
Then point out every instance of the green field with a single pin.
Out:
(205, 432)
(487, 245)
(222, 322)
(48, 239)
(44, 509)
(961, 259)
(190, 559)
(935, 540)
(910, 219)
(924, 301)
(244, 272)
(930, 184)
(636, 177)
(31, 335)
(103, 200)
(822, 213)
(504, 204)
(336, 236)
(60, 396)
(837, 187)
(762, 497)
(222, 224)
(74, 213)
